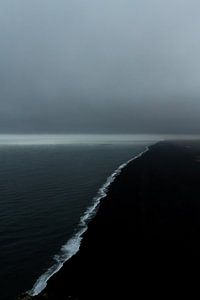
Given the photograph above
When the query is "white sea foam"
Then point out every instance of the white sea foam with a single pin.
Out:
(73, 244)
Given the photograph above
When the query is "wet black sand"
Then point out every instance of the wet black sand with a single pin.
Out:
(146, 234)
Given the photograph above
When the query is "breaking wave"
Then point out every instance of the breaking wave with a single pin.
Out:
(73, 245)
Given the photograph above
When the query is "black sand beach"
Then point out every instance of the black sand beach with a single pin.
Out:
(146, 234)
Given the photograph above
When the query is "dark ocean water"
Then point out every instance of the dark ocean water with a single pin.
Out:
(44, 190)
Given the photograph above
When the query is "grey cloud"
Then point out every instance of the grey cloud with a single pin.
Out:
(99, 66)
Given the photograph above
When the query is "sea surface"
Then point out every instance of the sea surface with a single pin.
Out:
(47, 183)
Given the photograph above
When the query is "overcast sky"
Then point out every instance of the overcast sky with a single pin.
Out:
(109, 66)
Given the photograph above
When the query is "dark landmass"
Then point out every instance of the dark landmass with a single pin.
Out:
(145, 237)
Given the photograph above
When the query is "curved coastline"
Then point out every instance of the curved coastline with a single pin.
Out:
(73, 245)
(144, 237)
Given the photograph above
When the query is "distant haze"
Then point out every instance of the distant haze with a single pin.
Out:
(109, 66)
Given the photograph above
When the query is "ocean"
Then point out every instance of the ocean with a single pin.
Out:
(49, 187)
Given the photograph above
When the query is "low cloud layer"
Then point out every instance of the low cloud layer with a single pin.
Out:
(107, 66)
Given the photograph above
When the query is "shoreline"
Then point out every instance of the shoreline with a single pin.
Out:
(137, 226)
(73, 244)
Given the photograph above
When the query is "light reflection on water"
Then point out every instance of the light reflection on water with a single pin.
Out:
(71, 139)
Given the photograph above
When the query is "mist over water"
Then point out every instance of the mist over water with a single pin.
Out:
(86, 139)
(74, 139)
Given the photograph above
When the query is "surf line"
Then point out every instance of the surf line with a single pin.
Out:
(73, 244)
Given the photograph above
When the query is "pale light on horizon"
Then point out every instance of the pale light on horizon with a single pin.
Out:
(78, 139)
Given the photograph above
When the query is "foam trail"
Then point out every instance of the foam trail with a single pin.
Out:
(73, 244)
